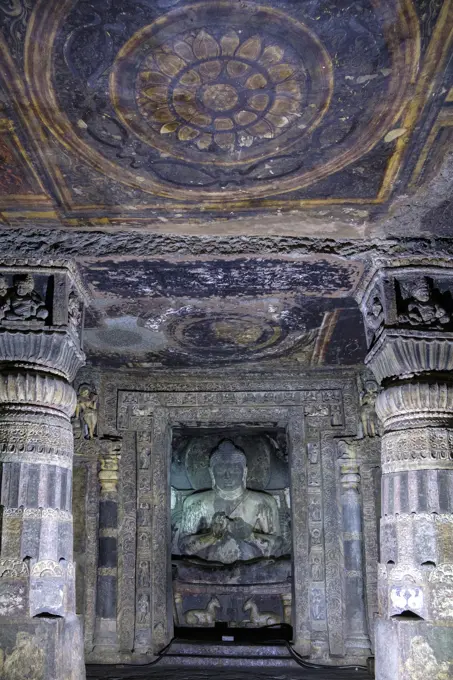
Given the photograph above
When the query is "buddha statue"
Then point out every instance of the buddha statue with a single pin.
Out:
(229, 522)
(24, 302)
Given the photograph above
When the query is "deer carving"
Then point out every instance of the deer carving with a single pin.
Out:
(260, 619)
(203, 617)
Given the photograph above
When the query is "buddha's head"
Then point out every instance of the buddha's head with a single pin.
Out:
(228, 468)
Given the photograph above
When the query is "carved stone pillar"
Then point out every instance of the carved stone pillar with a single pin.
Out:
(408, 320)
(40, 353)
(107, 573)
(357, 639)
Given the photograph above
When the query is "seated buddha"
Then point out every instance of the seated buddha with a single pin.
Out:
(229, 522)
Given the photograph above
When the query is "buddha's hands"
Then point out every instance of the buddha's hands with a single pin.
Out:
(219, 524)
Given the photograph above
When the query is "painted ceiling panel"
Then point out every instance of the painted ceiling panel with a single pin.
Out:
(138, 110)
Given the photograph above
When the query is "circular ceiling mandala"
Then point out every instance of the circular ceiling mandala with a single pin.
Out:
(222, 95)
(221, 103)
(224, 335)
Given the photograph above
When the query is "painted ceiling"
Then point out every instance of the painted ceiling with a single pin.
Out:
(213, 164)
(148, 111)
(222, 311)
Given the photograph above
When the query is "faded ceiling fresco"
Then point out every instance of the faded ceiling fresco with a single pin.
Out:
(127, 110)
(188, 313)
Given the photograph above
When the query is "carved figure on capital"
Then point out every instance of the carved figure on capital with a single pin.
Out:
(22, 302)
(74, 311)
(86, 415)
(374, 317)
(423, 305)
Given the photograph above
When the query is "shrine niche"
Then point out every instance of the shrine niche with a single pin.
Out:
(231, 530)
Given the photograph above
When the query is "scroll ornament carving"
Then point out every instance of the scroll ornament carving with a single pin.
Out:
(39, 513)
(36, 389)
(405, 572)
(21, 303)
(443, 573)
(12, 568)
(33, 442)
(417, 449)
(47, 568)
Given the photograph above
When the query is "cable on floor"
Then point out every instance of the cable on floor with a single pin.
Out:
(300, 660)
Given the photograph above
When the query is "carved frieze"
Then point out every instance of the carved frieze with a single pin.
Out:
(418, 449)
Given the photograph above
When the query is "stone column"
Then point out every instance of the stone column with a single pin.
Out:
(107, 574)
(408, 321)
(357, 641)
(40, 353)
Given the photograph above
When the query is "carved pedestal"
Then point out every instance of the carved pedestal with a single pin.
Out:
(40, 635)
(410, 352)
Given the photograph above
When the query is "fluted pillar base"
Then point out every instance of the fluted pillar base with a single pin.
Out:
(411, 649)
(42, 648)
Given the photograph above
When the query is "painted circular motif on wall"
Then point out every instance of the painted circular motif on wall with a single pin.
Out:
(226, 95)
(224, 335)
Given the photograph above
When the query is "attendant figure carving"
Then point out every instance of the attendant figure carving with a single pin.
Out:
(4, 303)
(143, 608)
(24, 303)
(229, 522)
(375, 316)
(424, 305)
(369, 421)
(87, 411)
(74, 311)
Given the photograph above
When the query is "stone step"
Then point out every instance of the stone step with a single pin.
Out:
(227, 654)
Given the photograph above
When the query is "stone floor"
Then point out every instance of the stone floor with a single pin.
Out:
(181, 673)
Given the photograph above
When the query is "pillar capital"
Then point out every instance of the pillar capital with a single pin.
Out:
(41, 318)
(408, 315)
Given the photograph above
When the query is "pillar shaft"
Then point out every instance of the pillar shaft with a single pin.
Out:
(408, 319)
(357, 638)
(40, 311)
(107, 573)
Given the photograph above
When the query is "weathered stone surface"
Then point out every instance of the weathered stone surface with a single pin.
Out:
(36, 448)
(408, 315)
